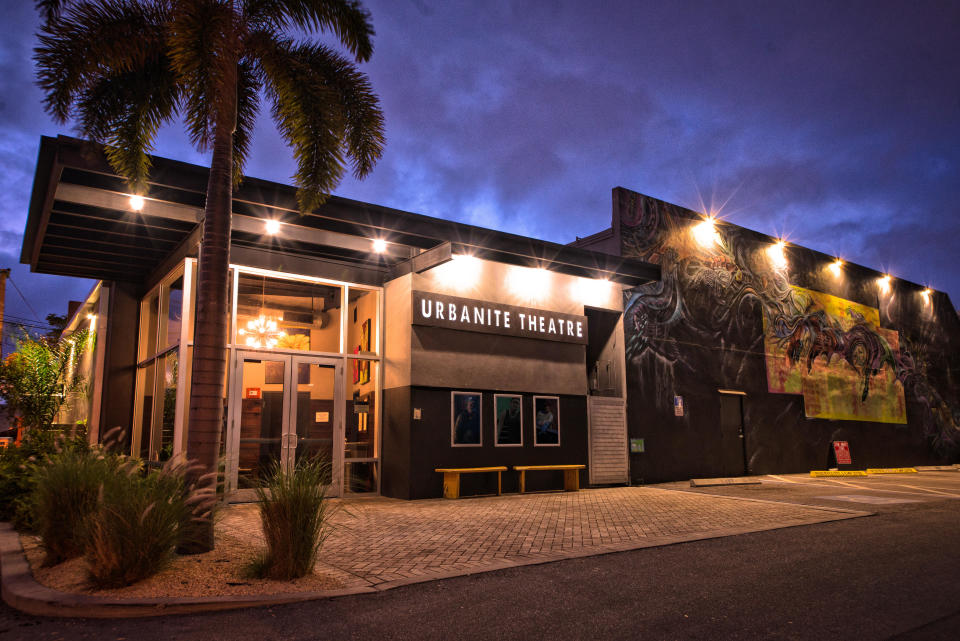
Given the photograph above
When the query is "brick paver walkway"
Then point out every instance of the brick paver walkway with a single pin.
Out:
(377, 541)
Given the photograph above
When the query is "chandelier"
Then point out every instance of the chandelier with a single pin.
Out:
(262, 331)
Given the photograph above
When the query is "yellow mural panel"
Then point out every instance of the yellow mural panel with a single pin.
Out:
(834, 352)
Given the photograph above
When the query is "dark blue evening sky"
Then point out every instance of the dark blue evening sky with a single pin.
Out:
(836, 124)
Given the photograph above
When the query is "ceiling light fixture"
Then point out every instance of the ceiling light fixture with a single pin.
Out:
(272, 226)
(379, 245)
(136, 202)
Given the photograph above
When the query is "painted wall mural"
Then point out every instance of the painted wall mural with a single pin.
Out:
(834, 352)
(728, 300)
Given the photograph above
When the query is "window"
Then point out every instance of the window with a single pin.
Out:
(158, 370)
(281, 314)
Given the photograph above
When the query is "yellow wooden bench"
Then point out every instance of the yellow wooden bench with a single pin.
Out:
(451, 478)
(571, 475)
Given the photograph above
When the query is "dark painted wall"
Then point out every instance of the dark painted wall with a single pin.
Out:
(120, 357)
(395, 450)
(701, 328)
(413, 449)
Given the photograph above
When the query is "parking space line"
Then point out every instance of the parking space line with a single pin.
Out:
(780, 478)
(926, 489)
(831, 482)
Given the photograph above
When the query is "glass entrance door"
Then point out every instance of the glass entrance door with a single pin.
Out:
(284, 408)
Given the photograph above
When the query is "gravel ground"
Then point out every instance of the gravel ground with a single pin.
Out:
(219, 572)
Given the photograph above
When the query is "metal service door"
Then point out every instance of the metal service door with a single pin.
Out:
(733, 458)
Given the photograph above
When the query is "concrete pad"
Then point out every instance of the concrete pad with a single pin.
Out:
(868, 498)
(724, 481)
(388, 543)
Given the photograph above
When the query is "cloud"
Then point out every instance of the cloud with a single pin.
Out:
(838, 123)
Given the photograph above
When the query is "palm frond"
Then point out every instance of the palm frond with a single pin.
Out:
(248, 105)
(49, 10)
(308, 116)
(201, 40)
(125, 111)
(346, 19)
(86, 38)
(364, 139)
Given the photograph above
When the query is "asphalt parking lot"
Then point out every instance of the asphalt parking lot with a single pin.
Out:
(875, 493)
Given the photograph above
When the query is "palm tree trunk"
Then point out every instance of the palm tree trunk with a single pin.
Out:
(210, 332)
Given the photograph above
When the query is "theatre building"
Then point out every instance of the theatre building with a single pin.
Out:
(665, 347)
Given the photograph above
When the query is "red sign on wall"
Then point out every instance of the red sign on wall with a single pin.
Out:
(841, 451)
(252, 392)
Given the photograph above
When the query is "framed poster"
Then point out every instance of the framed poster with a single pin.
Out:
(546, 420)
(364, 373)
(508, 422)
(466, 419)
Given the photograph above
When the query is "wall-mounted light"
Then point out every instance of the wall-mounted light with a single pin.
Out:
(705, 232)
(926, 295)
(379, 245)
(271, 226)
(530, 284)
(777, 254)
(836, 267)
(591, 291)
(136, 202)
(884, 283)
(463, 271)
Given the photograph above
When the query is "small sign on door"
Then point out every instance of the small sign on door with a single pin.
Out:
(322, 417)
(678, 406)
(251, 392)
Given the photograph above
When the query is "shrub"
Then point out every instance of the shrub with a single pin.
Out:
(66, 491)
(293, 511)
(19, 467)
(139, 521)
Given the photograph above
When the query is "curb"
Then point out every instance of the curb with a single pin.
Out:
(20, 590)
(725, 481)
(826, 473)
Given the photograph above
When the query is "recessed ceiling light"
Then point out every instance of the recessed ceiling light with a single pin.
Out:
(136, 202)
(379, 245)
(272, 226)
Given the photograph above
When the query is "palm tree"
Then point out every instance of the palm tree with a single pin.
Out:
(123, 68)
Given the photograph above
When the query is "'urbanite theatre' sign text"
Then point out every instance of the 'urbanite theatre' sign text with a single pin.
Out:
(452, 312)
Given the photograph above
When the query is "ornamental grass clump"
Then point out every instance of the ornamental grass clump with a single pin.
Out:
(294, 511)
(140, 520)
(66, 491)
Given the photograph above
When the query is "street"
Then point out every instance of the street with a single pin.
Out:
(893, 575)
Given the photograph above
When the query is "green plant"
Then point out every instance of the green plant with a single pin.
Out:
(294, 511)
(39, 379)
(65, 494)
(141, 518)
(122, 69)
(19, 467)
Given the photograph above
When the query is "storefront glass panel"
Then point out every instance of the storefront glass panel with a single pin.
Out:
(281, 314)
(361, 428)
(172, 314)
(315, 413)
(261, 420)
(148, 326)
(360, 477)
(146, 379)
(362, 322)
(165, 409)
